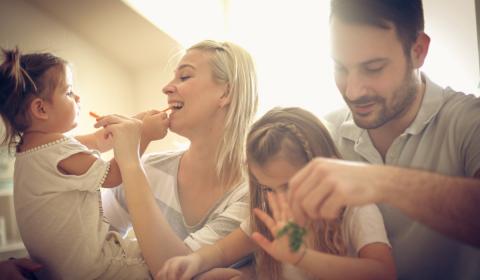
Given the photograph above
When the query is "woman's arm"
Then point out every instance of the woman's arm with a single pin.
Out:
(157, 240)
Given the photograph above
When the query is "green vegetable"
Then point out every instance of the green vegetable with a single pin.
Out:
(295, 235)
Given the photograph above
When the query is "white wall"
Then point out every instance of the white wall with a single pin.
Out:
(453, 58)
(292, 49)
(103, 85)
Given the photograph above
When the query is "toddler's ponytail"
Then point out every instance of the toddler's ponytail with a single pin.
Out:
(21, 80)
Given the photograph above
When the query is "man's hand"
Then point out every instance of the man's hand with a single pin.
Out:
(324, 186)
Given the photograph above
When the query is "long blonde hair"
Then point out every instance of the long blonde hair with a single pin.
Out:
(299, 136)
(233, 65)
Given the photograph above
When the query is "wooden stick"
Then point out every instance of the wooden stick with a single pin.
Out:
(96, 116)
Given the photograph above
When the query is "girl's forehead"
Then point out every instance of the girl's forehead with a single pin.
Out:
(275, 172)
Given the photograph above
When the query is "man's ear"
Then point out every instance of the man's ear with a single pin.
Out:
(38, 109)
(419, 50)
(225, 98)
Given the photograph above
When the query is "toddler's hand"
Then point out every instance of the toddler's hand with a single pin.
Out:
(125, 135)
(155, 124)
(102, 142)
(180, 268)
(279, 248)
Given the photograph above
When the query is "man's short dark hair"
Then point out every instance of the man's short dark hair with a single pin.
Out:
(405, 15)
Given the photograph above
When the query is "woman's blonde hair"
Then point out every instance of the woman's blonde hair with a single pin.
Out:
(297, 136)
(234, 66)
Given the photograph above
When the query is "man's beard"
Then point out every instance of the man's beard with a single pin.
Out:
(402, 98)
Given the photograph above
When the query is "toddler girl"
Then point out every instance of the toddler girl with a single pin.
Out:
(57, 178)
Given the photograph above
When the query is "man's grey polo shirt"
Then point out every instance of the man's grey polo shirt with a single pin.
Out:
(443, 138)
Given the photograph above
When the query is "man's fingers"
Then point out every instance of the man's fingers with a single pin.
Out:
(332, 205)
(310, 183)
(314, 201)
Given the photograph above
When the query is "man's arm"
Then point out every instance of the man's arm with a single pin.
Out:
(447, 204)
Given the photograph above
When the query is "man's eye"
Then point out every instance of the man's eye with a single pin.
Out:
(184, 78)
(374, 69)
(69, 93)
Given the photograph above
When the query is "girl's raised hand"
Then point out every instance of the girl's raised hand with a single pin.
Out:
(124, 132)
(279, 248)
(181, 268)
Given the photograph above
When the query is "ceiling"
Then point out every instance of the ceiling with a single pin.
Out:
(114, 28)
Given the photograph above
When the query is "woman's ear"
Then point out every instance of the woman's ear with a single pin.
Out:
(225, 98)
(38, 109)
(419, 50)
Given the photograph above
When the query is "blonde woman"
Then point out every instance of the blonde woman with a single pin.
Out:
(197, 196)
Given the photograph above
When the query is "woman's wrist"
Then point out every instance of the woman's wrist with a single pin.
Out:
(127, 167)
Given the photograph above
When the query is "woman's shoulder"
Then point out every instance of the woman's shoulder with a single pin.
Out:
(162, 157)
(238, 193)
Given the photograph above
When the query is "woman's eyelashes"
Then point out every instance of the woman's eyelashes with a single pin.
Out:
(184, 75)
(184, 78)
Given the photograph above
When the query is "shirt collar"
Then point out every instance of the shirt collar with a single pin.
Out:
(431, 104)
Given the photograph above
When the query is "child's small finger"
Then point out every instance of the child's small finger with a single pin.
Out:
(263, 242)
(285, 208)
(272, 202)
(266, 219)
(108, 120)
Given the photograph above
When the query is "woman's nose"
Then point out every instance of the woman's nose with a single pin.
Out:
(168, 88)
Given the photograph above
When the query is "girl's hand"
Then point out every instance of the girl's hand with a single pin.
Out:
(279, 248)
(124, 132)
(182, 268)
(154, 124)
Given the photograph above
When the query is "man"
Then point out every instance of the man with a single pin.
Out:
(427, 138)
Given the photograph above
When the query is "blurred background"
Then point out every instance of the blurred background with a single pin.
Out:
(124, 51)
